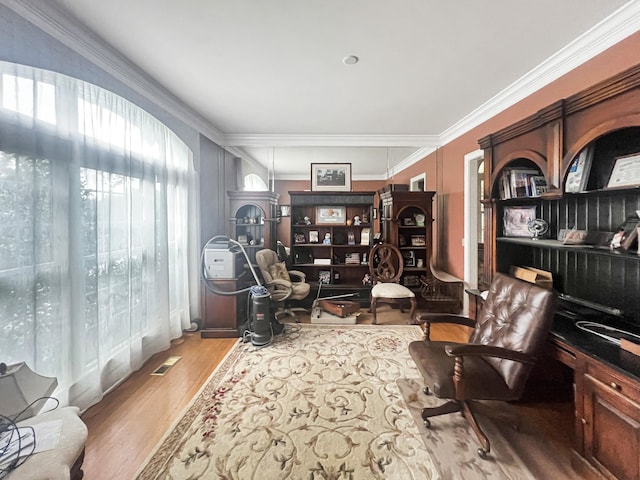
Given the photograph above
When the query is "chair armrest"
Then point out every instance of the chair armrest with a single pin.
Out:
(488, 351)
(297, 273)
(445, 318)
(280, 284)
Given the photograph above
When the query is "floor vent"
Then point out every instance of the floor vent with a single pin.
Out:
(167, 364)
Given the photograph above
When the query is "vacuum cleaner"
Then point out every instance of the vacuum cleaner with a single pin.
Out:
(261, 325)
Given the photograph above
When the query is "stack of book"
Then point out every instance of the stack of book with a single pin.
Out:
(352, 258)
(521, 182)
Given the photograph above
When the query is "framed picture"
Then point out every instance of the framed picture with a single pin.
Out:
(285, 210)
(324, 277)
(313, 236)
(330, 215)
(626, 171)
(516, 221)
(331, 177)
(418, 241)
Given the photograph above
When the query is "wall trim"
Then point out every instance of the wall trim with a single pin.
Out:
(471, 217)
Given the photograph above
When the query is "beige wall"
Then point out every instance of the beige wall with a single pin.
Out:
(445, 167)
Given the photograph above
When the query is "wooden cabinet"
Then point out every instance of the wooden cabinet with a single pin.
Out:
(223, 316)
(329, 244)
(406, 222)
(603, 120)
(607, 416)
(611, 423)
(253, 220)
(253, 224)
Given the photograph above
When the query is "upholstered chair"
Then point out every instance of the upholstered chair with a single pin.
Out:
(496, 361)
(283, 285)
(385, 267)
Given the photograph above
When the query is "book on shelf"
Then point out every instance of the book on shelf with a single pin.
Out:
(521, 183)
(578, 175)
(538, 185)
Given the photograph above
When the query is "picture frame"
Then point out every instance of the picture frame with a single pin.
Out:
(418, 241)
(285, 210)
(626, 171)
(313, 236)
(331, 215)
(331, 177)
(516, 220)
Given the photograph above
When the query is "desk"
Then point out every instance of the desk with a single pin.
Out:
(606, 394)
(607, 402)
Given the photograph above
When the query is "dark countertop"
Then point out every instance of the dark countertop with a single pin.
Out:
(565, 330)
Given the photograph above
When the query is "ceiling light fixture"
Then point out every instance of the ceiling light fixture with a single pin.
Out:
(350, 60)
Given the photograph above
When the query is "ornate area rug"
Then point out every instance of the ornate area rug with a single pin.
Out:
(320, 402)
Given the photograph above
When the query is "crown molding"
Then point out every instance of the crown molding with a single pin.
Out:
(359, 178)
(415, 157)
(62, 26)
(616, 27)
(65, 28)
(257, 140)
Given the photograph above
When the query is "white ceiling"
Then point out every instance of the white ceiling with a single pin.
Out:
(269, 77)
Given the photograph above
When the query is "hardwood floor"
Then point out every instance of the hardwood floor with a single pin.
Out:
(128, 423)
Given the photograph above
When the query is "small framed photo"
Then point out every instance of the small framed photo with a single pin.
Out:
(331, 177)
(626, 171)
(324, 277)
(313, 236)
(330, 215)
(418, 241)
(516, 221)
(285, 210)
(408, 222)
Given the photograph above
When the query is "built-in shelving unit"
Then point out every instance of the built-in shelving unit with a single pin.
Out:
(603, 121)
(344, 221)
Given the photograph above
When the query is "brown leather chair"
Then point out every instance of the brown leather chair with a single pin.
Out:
(501, 351)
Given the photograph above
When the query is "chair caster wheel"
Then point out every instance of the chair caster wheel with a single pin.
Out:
(426, 391)
(482, 453)
(427, 423)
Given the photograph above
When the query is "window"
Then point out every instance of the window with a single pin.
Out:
(253, 183)
(93, 215)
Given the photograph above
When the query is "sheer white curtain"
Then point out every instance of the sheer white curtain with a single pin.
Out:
(93, 232)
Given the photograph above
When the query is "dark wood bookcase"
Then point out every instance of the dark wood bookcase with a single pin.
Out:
(342, 262)
(603, 281)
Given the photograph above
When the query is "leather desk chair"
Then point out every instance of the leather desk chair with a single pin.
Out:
(495, 363)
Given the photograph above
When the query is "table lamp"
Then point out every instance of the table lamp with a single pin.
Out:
(20, 387)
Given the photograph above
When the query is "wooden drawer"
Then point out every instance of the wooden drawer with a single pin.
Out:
(614, 380)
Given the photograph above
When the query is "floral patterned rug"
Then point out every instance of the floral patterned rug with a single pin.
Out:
(320, 402)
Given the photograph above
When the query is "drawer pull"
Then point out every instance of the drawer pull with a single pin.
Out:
(615, 386)
(584, 421)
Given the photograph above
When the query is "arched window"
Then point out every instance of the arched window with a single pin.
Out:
(254, 183)
(93, 222)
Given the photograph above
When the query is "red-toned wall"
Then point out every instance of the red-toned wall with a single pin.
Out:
(283, 187)
(445, 167)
